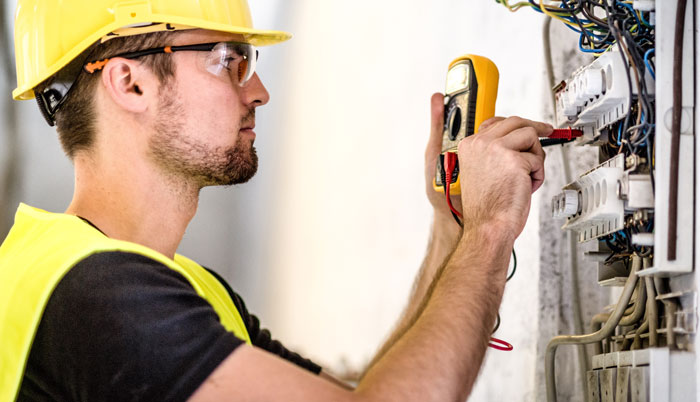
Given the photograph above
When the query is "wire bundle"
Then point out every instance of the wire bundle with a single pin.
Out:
(602, 26)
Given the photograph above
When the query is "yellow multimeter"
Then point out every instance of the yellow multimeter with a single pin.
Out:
(470, 98)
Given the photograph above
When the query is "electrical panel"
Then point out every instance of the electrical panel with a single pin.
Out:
(634, 102)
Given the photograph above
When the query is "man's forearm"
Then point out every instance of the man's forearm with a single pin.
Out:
(443, 239)
(439, 355)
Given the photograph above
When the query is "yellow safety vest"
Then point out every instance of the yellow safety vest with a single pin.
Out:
(39, 250)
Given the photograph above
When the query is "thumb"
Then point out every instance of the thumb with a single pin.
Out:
(437, 107)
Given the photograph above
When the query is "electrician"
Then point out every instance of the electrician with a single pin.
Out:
(154, 100)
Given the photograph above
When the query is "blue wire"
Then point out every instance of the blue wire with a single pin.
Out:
(644, 21)
(619, 135)
(646, 62)
(589, 50)
(636, 17)
(573, 29)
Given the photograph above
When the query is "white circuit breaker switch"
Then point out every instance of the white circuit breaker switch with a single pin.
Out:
(643, 239)
(644, 5)
(592, 84)
(565, 204)
(637, 191)
(567, 107)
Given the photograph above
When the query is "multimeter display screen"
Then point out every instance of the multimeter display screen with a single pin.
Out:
(458, 78)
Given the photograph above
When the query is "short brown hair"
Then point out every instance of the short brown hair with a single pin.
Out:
(75, 120)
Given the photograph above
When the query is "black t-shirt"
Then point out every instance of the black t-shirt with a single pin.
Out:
(123, 327)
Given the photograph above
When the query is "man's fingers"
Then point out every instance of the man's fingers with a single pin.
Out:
(488, 123)
(505, 126)
(437, 107)
(524, 140)
(536, 166)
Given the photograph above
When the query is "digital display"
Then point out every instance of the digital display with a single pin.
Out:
(458, 78)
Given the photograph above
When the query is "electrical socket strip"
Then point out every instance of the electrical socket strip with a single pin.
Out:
(592, 203)
(596, 203)
(598, 94)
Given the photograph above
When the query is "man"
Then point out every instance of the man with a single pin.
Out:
(154, 100)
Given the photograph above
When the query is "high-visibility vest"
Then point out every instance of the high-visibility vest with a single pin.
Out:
(38, 252)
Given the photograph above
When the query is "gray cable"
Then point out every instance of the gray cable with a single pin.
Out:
(637, 344)
(597, 336)
(548, 61)
(639, 307)
(652, 307)
(631, 315)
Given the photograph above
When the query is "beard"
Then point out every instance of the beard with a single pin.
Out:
(186, 157)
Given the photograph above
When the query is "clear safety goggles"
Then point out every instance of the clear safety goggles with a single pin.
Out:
(235, 59)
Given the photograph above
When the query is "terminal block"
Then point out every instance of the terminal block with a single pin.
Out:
(596, 204)
(596, 95)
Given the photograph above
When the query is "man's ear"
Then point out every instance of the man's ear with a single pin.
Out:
(129, 84)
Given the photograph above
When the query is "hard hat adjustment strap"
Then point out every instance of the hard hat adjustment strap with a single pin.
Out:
(54, 94)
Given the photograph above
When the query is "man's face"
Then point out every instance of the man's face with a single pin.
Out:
(203, 128)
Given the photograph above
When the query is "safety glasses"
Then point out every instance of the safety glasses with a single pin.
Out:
(233, 58)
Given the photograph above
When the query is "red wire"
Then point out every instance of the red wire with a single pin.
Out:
(450, 162)
(500, 345)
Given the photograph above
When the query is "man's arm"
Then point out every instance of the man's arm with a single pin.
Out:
(438, 357)
(444, 233)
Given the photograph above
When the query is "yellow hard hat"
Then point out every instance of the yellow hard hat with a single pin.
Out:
(49, 34)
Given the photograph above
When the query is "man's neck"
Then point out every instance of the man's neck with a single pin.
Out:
(133, 203)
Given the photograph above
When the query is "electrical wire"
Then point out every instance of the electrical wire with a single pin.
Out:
(676, 130)
(450, 165)
(647, 62)
(652, 306)
(515, 266)
(597, 336)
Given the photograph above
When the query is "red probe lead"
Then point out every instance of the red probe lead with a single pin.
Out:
(450, 162)
(565, 134)
(499, 344)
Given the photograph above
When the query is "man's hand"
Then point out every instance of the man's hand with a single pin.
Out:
(432, 151)
(500, 168)
(505, 153)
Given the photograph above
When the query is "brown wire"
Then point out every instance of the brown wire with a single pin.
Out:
(676, 130)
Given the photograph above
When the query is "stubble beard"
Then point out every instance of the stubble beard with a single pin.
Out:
(185, 157)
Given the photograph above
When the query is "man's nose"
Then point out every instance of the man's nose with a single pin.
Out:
(254, 92)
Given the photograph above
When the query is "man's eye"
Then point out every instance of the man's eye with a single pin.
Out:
(229, 62)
